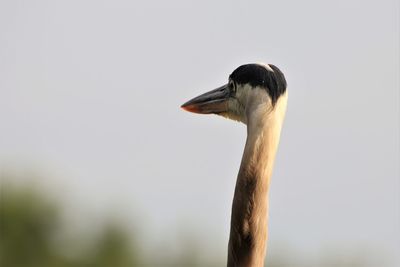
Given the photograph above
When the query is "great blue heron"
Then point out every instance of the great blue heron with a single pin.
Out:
(255, 95)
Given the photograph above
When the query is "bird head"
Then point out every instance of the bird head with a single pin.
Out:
(250, 88)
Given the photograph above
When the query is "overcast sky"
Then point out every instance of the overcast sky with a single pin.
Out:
(90, 94)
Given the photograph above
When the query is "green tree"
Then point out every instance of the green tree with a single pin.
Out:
(28, 224)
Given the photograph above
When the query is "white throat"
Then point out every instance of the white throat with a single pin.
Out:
(249, 221)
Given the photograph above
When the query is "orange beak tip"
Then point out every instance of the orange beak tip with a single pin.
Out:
(190, 108)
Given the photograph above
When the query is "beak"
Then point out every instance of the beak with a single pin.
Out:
(215, 101)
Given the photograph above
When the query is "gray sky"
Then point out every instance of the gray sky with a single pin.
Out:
(90, 94)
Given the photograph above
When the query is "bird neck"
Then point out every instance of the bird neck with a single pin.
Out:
(249, 219)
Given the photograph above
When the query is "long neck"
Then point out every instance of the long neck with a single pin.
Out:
(249, 220)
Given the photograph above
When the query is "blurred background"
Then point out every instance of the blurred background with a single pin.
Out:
(100, 167)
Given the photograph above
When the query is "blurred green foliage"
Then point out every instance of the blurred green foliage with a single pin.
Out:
(29, 224)
(26, 221)
(30, 227)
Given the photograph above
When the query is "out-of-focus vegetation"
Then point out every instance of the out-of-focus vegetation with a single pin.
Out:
(30, 227)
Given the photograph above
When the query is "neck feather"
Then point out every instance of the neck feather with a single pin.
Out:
(249, 220)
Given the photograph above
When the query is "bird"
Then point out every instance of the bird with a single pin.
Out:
(256, 95)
